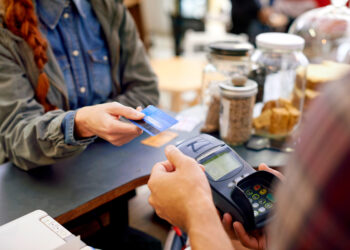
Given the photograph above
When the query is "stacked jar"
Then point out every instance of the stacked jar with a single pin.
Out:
(281, 69)
(237, 104)
(226, 60)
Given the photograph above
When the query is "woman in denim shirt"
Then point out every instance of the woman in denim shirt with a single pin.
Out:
(68, 71)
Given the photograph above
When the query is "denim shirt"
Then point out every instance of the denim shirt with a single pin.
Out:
(78, 43)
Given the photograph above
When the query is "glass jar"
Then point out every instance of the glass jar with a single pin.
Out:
(225, 60)
(326, 32)
(281, 67)
(236, 112)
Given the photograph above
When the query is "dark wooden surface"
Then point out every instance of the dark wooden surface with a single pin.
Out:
(103, 172)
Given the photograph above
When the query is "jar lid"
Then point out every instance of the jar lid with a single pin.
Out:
(275, 40)
(231, 48)
(249, 89)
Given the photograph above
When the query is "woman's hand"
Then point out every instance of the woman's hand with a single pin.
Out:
(264, 167)
(256, 239)
(103, 121)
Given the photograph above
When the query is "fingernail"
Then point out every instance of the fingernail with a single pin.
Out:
(170, 148)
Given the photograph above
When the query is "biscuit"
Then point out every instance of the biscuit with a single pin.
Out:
(279, 121)
(263, 121)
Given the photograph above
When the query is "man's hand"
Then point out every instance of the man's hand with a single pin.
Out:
(256, 239)
(103, 121)
(180, 193)
(179, 187)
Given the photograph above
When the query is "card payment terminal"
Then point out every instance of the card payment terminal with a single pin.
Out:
(236, 187)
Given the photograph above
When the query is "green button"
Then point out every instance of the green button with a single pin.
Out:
(248, 192)
(270, 197)
(255, 197)
(262, 201)
(268, 205)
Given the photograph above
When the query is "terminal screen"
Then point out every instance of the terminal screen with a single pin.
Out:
(220, 165)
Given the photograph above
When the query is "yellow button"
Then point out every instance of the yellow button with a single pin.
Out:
(263, 191)
(65, 15)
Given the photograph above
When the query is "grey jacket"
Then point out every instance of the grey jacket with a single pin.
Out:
(28, 136)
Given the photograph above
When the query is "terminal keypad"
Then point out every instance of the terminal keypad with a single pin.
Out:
(260, 198)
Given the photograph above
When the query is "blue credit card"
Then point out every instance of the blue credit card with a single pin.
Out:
(155, 121)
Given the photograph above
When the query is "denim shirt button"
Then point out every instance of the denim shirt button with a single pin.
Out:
(65, 15)
(75, 53)
(82, 90)
(105, 58)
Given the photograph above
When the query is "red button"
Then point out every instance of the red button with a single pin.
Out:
(257, 187)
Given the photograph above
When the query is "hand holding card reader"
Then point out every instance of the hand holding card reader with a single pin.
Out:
(236, 187)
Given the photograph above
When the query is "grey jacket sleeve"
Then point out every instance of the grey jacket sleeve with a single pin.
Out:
(138, 81)
(28, 136)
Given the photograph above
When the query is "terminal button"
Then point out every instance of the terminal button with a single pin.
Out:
(263, 191)
(262, 201)
(249, 192)
(270, 197)
(268, 205)
(262, 209)
(255, 197)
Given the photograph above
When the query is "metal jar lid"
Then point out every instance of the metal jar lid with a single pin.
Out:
(229, 90)
(231, 48)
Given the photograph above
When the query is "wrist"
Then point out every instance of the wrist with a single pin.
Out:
(197, 211)
(205, 229)
(81, 129)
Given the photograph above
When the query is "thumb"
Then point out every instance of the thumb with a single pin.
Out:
(158, 169)
(158, 174)
(177, 158)
(264, 167)
(128, 112)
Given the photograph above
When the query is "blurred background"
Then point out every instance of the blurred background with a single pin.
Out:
(176, 34)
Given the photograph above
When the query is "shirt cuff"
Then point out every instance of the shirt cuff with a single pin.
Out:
(67, 127)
